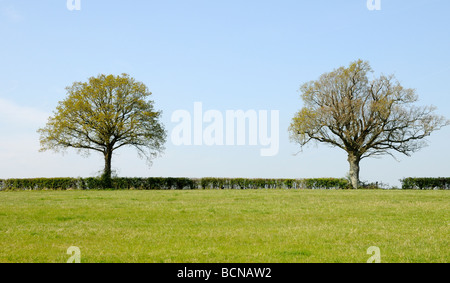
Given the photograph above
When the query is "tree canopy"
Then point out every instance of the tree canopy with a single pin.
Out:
(104, 114)
(365, 117)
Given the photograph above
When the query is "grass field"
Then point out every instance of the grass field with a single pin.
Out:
(240, 226)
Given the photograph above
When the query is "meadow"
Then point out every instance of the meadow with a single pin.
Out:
(223, 226)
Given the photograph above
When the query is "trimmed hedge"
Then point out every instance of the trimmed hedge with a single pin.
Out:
(41, 183)
(96, 183)
(425, 183)
(241, 183)
(153, 183)
(171, 183)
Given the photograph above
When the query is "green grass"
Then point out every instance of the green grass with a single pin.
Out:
(221, 226)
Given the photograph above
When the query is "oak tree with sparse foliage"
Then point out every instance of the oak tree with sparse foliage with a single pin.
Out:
(104, 114)
(363, 116)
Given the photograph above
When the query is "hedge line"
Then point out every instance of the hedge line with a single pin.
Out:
(172, 183)
(96, 183)
(205, 183)
(425, 183)
(241, 183)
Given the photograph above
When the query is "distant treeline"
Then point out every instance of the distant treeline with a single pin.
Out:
(163, 183)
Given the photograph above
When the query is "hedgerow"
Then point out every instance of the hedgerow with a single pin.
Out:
(425, 183)
(41, 183)
(164, 183)
(161, 183)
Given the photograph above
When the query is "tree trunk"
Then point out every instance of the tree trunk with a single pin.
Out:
(354, 160)
(106, 177)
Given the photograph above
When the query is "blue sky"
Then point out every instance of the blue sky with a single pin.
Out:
(229, 55)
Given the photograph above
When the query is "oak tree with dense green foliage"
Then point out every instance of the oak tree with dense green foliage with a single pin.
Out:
(365, 117)
(104, 114)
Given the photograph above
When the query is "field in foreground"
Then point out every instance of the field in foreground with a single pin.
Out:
(221, 226)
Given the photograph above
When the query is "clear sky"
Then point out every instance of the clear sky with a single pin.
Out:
(228, 55)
